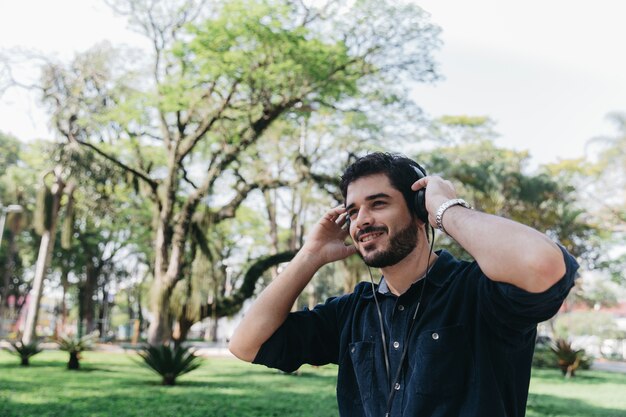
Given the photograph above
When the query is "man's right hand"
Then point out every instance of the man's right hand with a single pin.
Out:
(325, 243)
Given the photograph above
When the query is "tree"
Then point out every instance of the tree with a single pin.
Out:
(495, 180)
(9, 256)
(221, 76)
(19, 182)
(607, 193)
(46, 225)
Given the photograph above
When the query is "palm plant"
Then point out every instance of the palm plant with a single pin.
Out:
(169, 362)
(24, 350)
(74, 346)
(569, 359)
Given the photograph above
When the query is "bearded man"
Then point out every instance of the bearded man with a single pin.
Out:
(437, 336)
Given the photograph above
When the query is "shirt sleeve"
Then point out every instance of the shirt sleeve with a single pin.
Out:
(513, 308)
(308, 336)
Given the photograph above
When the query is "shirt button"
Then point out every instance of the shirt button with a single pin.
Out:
(435, 336)
(397, 386)
(352, 350)
(401, 307)
(396, 345)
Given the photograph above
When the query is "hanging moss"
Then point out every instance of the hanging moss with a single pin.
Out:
(43, 210)
(15, 222)
(68, 224)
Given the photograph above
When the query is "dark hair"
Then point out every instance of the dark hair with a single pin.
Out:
(398, 168)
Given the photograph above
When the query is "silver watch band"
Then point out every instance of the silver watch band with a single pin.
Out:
(445, 206)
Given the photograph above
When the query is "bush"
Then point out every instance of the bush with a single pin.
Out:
(74, 346)
(24, 351)
(169, 362)
(544, 357)
(568, 359)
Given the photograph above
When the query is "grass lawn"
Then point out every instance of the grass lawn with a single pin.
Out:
(588, 394)
(114, 385)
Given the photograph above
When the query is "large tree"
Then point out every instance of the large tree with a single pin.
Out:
(222, 74)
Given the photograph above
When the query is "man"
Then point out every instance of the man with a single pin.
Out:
(458, 342)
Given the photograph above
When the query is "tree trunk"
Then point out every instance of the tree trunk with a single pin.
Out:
(43, 260)
(160, 329)
(183, 326)
(89, 306)
(6, 279)
(64, 285)
(73, 363)
(81, 311)
(270, 204)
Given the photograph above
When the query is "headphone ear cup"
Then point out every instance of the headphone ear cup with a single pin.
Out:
(420, 197)
(420, 205)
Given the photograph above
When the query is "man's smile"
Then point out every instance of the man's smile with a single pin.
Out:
(370, 234)
(367, 237)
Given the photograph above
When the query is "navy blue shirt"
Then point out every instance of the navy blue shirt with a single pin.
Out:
(469, 355)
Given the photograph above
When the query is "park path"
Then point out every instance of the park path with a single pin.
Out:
(611, 366)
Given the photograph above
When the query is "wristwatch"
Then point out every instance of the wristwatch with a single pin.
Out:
(445, 206)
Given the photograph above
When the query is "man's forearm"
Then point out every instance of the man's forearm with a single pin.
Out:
(272, 306)
(505, 250)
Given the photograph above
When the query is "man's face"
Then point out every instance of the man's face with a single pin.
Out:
(381, 226)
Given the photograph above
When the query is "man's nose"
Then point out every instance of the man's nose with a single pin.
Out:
(363, 219)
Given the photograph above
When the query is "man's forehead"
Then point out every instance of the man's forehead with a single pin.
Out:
(368, 186)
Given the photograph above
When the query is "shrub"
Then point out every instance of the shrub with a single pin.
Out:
(74, 346)
(24, 351)
(544, 357)
(568, 359)
(170, 362)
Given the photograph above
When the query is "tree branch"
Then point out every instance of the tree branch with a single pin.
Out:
(152, 183)
(206, 125)
(232, 304)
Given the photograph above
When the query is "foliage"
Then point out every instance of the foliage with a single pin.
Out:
(24, 351)
(170, 361)
(222, 79)
(568, 359)
(544, 357)
(609, 203)
(75, 346)
(585, 323)
(495, 180)
(17, 249)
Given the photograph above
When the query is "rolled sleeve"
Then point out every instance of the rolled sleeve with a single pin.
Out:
(308, 336)
(515, 308)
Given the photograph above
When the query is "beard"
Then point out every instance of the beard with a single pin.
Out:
(400, 245)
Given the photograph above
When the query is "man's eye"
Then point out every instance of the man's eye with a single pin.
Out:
(352, 214)
(378, 203)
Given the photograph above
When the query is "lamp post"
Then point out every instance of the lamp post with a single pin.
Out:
(12, 208)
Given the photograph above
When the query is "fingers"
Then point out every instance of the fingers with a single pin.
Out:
(337, 215)
(423, 182)
(334, 213)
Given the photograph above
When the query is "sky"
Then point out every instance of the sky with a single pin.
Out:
(546, 72)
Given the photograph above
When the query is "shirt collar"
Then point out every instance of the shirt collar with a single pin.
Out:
(439, 274)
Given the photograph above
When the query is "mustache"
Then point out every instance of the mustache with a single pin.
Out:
(370, 229)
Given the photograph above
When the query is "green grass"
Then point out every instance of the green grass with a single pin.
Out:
(114, 385)
(111, 385)
(588, 394)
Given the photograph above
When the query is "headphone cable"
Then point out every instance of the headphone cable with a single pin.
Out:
(392, 383)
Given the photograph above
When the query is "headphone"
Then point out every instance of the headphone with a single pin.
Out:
(419, 199)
